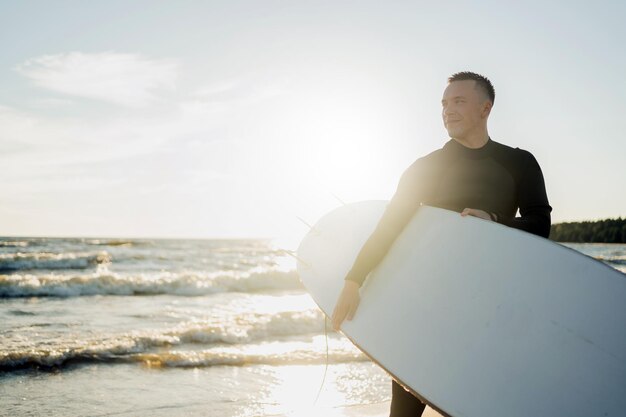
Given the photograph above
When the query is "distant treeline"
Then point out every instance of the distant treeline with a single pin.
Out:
(601, 231)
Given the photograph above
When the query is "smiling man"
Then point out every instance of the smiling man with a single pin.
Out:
(471, 174)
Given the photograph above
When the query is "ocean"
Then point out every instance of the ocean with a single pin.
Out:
(151, 327)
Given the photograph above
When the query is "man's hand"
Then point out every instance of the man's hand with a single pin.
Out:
(476, 213)
(346, 304)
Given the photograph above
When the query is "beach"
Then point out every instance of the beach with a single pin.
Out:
(155, 327)
(125, 390)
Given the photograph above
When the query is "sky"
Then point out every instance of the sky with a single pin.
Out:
(232, 119)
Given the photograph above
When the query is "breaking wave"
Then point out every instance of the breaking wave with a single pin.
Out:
(276, 353)
(47, 260)
(288, 337)
(612, 260)
(253, 327)
(183, 284)
(13, 243)
(79, 351)
(111, 242)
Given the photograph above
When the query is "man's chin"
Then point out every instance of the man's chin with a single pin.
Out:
(454, 134)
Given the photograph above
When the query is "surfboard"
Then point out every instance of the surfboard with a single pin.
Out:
(475, 318)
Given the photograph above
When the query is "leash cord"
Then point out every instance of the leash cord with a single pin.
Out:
(319, 391)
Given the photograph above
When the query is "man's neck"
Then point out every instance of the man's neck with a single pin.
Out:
(474, 141)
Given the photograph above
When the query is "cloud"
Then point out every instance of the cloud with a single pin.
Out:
(186, 146)
(198, 120)
(32, 145)
(220, 102)
(125, 79)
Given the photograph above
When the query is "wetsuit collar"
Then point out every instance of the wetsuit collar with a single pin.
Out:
(472, 153)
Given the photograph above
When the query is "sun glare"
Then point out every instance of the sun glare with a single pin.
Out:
(334, 148)
(295, 392)
(339, 149)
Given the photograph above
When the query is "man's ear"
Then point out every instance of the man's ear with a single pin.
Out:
(486, 108)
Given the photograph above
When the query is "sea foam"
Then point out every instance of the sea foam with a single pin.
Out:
(47, 260)
(286, 337)
(183, 284)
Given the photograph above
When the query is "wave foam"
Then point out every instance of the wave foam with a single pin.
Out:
(47, 260)
(275, 353)
(111, 242)
(136, 349)
(13, 243)
(253, 327)
(107, 283)
(612, 260)
(108, 350)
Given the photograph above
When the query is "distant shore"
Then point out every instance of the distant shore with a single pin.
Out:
(600, 231)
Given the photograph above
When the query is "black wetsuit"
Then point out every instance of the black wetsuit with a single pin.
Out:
(495, 178)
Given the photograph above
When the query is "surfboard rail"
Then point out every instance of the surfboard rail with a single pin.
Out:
(514, 323)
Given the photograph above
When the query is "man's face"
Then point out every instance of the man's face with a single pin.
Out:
(464, 109)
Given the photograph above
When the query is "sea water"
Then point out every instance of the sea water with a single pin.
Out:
(149, 327)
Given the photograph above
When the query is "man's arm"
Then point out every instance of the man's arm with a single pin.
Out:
(532, 200)
(396, 216)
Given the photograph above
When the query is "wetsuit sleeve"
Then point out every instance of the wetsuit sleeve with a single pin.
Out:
(396, 216)
(532, 200)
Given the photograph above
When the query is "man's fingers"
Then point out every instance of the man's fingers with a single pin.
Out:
(337, 323)
(334, 317)
(338, 315)
(346, 304)
(472, 212)
(481, 214)
(342, 312)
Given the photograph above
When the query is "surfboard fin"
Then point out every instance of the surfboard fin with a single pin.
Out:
(296, 257)
(339, 199)
(311, 228)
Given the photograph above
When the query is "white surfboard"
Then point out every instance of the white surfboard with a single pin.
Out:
(476, 318)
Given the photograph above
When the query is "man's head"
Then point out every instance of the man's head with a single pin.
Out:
(466, 104)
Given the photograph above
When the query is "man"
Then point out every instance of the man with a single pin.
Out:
(471, 174)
